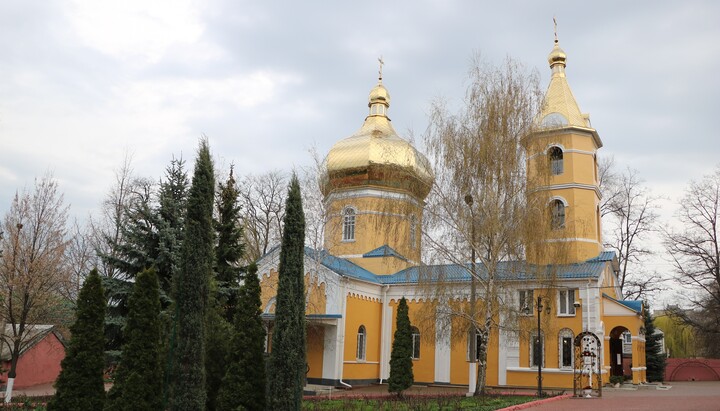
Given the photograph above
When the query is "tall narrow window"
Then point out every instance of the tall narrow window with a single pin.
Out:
(478, 344)
(566, 348)
(413, 231)
(348, 224)
(537, 349)
(556, 160)
(525, 298)
(415, 343)
(361, 338)
(557, 214)
(566, 302)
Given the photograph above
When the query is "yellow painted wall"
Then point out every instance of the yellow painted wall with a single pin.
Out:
(423, 367)
(362, 311)
(315, 293)
(378, 221)
(314, 358)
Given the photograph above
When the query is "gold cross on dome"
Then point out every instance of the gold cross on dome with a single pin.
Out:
(555, 24)
(380, 60)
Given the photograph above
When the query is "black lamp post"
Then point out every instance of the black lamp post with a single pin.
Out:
(540, 344)
(473, 338)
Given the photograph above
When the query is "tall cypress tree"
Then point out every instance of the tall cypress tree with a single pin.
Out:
(243, 386)
(138, 383)
(401, 372)
(654, 359)
(80, 384)
(287, 359)
(191, 289)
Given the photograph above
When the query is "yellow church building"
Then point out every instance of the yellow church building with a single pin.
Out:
(376, 181)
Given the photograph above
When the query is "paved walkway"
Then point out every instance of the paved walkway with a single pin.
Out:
(685, 395)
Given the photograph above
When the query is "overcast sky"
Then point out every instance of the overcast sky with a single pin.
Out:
(82, 82)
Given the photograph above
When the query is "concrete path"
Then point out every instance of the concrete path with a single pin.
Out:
(685, 395)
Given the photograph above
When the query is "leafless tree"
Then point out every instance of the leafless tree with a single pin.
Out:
(32, 271)
(478, 206)
(262, 198)
(695, 252)
(81, 258)
(630, 211)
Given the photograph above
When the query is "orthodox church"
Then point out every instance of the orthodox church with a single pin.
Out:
(376, 181)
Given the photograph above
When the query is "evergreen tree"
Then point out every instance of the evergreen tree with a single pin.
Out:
(287, 359)
(138, 383)
(80, 384)
(243, 386)
(230, 247)
(654, 359)
(217, 348)
(401, 372)
(191, 289)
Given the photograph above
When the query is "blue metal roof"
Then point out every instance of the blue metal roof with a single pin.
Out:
(635, 305)
(509, 270)
(384, 251)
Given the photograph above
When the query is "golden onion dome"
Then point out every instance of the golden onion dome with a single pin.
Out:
(376, 156)
(557, 55)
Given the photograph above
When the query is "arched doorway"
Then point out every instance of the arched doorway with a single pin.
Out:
(620, 352)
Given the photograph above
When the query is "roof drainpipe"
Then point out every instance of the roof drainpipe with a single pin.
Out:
(383, 324)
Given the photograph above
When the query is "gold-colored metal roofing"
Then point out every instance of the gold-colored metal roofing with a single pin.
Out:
(377, 155)
(560, 109)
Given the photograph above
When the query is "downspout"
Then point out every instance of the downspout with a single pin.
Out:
(341, 352)
(383, 323)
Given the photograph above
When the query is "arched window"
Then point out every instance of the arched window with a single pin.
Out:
(348, 224)
(556, 160)
(557, 214)
(415, 343)
(565, 342)
(537, 349)
(413, 231)
(361, 343)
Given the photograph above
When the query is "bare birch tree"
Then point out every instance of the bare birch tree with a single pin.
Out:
(32, 272)
(630, 211)
(262, 197)
(477, 213)
(695, 252)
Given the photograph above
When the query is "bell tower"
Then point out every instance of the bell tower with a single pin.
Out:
(564, 146)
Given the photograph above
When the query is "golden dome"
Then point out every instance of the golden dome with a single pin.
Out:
(379, 94)
(557, 55)
(376, 156)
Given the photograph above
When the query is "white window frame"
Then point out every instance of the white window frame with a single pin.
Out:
(566, 302)
(361, 350)
(526, 298)
(415, 343)
(558, 214)
(348, 224)
(566, 333)
(478, 342)
(413, 231)
(557, 165)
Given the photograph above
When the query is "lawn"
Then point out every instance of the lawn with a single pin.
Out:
(422, 403)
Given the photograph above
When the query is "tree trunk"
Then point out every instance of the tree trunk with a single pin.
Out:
(13, 371)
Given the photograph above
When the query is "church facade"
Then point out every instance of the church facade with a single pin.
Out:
(376, 183)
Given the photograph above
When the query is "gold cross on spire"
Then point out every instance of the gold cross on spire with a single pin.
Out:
(380, 60)
(555, 24)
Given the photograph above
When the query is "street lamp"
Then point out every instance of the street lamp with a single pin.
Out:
(473, 337)
(539, 344)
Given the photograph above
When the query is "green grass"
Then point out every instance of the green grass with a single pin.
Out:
(421, 403)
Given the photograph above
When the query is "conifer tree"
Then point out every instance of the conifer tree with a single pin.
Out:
(654, 359)
(191, 289)
(80, 384)
(217, 347)
(401, 372)
(230, 246)
(138, 383)
(287, 359)
(243, 386)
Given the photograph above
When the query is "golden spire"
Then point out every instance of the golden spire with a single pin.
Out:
(557, 56)
(380, 60)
